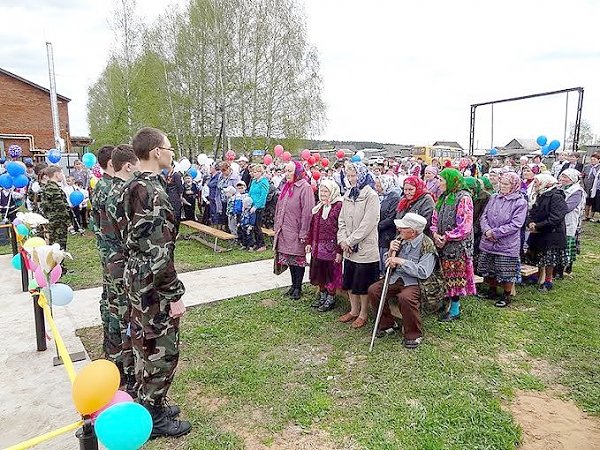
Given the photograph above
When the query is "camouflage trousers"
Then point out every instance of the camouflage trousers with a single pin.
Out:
(118, 343)
(104, 313)
(155, 361)
(57, 234)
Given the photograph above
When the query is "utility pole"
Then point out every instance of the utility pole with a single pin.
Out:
(53, 99)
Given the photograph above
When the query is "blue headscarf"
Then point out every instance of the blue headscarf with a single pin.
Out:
(364, 178)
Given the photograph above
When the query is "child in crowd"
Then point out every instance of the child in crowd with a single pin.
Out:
(238, 201)
(247, 223)
(55, 207)
(230, 193)
(75, 210)
(190, 196)
(83, 206)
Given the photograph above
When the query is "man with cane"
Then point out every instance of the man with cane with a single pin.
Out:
(412, 258)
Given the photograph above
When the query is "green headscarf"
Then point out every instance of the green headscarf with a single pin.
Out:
(454, 183)
(473, 185)
(487, 184)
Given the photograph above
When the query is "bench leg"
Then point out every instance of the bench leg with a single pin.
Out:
(215, 247)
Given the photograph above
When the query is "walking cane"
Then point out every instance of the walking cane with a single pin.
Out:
(386, 285)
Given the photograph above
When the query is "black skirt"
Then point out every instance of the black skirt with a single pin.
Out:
(359, 276)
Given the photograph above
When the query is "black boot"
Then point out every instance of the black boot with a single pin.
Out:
(294, 275)
(328, 304)
(319, 300)
(171, 410)
(164, 425)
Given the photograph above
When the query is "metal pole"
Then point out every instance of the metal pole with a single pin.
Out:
(566, 116)
(24, 275)
(492, 143)
(40, 325)
(87, 436)
(13, 239)
(53, 99)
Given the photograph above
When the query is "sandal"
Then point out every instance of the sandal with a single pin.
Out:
(348, 317)
(359, 323)
(413, 343)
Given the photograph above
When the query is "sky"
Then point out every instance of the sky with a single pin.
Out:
(393, 71)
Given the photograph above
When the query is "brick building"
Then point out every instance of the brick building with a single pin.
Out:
(26, 117)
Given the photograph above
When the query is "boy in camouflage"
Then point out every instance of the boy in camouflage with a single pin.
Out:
(151, 281)
(97, 218)
(124, 163)
(55, 207)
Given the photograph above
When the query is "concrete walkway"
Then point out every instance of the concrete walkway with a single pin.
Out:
(35, 397)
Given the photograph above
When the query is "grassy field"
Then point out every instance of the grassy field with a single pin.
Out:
(266, 372)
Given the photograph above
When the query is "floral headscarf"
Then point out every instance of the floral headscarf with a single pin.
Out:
(388, 183)
(420, 191)
(364, 179)
(514, 180)
(454, 183)
(299, 174)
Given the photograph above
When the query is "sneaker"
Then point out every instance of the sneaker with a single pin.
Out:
(503, 302)
(82, 231)
(546, 286)
(73, 232)
(413, 343)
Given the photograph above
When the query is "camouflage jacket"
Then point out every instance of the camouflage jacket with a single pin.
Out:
(54, 204)
(98, 201)
(150, 276)
(116, 217)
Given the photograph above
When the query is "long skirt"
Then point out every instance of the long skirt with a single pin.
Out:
(572, 248)
(550, 257)
(504, 269)
(459, 275)
(326, 274)
(286, 259)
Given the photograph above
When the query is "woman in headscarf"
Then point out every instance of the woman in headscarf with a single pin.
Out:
(501, 223)
(480, 199)
(292, 223)
(452, 228)
(416, 199)
(575, 198)
(487, 184)
(547, 232)
(527, 176)
(326, 254)
(494, 176)
(389, 197)
(432, 181)
(358, 238)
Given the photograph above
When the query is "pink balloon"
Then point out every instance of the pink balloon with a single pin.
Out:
(324, 162)
(268, 159)
(32, 265)
(317, 156)
(55, 274)
(278, 150)
(316, 175)
(38, 274)
(120, 397)
(286, 156)
(311, 160)
(305, 154)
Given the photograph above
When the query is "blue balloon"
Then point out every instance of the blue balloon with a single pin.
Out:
(21, 181)
(493, 151)
(88, 160)
(62, 294)
(541, 140)
(554, 145)
(53, 156)
(355, 158)
(76, 198)
(545, 150)
(22, 229)
(28, 161)
(6, 181)
(2, 160)
(124, 426)
(15, 168)
(16, 261)
(192, 172)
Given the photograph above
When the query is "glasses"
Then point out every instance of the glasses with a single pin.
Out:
(171, 149)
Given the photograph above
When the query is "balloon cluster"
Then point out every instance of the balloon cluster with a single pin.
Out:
(14, 176)
(546, 147)
(14, 151)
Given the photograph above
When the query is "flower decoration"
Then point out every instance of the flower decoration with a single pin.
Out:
(97, 171)
(14, 151)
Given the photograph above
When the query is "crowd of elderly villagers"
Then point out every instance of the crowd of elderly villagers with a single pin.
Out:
(436, 229)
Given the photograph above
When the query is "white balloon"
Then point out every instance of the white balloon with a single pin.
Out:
(361, 154)
(198, 177)
(177, 167)
(236, 167)
(210, 161)
(202, 159)
(184, 165)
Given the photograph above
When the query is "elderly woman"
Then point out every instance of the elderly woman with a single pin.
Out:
(292, 224)
(81, 174)
(576, 200)
(357, 237)
(326, 254)
(452, 228)
(432, 181)
(547, 232)
(385, 187)
(480, 199)
(501, 223)
(416, 200)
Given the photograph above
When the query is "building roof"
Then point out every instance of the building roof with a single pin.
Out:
(522, 144)
(32, 84)
(452, 144)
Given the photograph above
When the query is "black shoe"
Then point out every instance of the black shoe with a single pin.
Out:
(488, 295)
(328, 304)
(387, 331)
(319, 300)
(171, 410)
(289, 291)
(503, 302)
(296, 294)
(165, 426)
(413, 343)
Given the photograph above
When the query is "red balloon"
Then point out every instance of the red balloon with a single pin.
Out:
(340, 154)
(316, 175)
(317, 156)
(230, 155)
(286, 156)
(268, 159)
(324, 162)
(278, 149)
(305, 154)
(311, 160)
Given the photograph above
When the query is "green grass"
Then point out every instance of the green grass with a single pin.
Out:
(189, 255)
(253, 365)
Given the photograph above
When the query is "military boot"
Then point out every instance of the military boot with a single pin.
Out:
(165, 426)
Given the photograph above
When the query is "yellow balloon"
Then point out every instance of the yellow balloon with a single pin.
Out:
(33, 243)
(93, 182)
(95, 386)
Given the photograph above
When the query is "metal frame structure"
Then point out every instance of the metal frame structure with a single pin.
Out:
(525, 97)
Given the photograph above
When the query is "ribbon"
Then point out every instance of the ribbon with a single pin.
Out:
(46, 437)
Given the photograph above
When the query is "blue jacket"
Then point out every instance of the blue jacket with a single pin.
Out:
(259, 189)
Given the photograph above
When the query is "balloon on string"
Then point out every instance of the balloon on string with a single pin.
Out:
(316, 175)
(124, 426)
(340, 154)
(324, 162)
(493, 151)
(355, 158)
(17, 221)
(27, 161)
(278, 150)
(88, 160)
(120, 397)
(76, 197)
(554, 145)
(202, 159)
(15, 168)
(184, 165)
(317, 156)
(20, 181)
(546, 150)
(22, 230)
(210, 162)
(305, 154)
(16, 261)
(53, 156)
(193, 172)
(286, 156)
(55, 275)
(6, 181)
(541, 140)
(95, 385)
(311, 160)
(268, 159)
(14, 151)
(33, 242)
(361, 154)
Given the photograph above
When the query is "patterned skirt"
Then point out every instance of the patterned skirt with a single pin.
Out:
(504, 269)
(326, 274)
(291, 260)
(551, 257)
(572, 248)
(459, 276)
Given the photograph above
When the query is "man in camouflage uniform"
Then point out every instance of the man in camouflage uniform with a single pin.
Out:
(55, 207)
(97, 217)
(34, 190)
(151, 280)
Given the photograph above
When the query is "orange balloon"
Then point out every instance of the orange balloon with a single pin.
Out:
(95, 386)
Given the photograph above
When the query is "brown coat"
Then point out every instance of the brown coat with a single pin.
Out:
(292, 220)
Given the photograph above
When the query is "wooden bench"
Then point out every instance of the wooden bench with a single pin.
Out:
(527, 271)
(268, 232)
(213, 232)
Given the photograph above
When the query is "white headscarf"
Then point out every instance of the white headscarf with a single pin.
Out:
(547, 182)
(334, 196)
